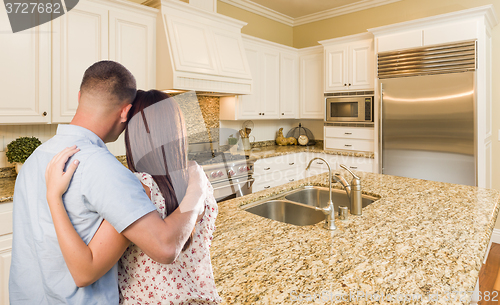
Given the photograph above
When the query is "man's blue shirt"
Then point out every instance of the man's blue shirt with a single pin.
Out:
(101, 188)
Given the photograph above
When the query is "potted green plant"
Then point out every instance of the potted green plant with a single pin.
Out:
(20, 149)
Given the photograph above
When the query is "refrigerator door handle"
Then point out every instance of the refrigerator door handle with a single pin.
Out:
(380, 150)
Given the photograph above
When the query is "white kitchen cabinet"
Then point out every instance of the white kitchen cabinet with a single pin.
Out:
(80, 38)
(271, 172)
(275, 75)
(25, 59)
(263, 103)
(95, 31)
(289, 85)
(349, 63)
(132, 36)
(349, 138)
(311, 98)
(5, 250)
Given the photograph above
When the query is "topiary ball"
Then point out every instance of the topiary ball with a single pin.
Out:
(20, 149)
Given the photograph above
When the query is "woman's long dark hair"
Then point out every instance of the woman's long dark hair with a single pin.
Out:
(168, 128)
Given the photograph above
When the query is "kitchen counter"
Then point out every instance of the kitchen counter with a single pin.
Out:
(276, 150)
(421, 237)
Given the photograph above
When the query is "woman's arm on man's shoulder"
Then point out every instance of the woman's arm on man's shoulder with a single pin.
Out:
(86, 263)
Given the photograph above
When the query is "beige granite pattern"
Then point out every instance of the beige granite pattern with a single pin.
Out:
(201, 114)
(7, 189)
(276, 150)
(421, 237)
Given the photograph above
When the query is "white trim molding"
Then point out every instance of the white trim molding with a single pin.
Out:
(259, 9)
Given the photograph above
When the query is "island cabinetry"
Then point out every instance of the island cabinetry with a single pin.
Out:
(349, 63)
(349, 138)
(271, 172)
(5, 250)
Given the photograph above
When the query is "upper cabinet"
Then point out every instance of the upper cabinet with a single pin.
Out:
(275, 73)
(26, 72)
(311, 98)
(349, 63)
(95, 31)
(49, 60)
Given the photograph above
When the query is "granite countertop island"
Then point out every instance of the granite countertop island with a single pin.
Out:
(421, 238)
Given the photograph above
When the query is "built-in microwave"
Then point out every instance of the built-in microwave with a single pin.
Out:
(349, 108)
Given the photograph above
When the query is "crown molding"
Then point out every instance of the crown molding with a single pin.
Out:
(259, 9)
(341, 10)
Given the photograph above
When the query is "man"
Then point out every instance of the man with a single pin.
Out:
(102, 188)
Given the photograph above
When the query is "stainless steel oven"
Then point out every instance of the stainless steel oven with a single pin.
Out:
(231, 175)
(349, 108)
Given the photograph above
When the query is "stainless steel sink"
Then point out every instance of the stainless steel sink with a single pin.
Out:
(288, 212)
(318, 197)
(297, 207)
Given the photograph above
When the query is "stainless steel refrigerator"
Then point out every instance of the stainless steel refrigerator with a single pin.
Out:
(427, 127)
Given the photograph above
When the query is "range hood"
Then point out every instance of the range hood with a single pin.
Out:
(199, 50)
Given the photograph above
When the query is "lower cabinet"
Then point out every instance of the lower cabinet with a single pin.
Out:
(271, 172)
(5, 250)
(275, 171)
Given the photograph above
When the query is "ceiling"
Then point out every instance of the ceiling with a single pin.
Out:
(300, 8)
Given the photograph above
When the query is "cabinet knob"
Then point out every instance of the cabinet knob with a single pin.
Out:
(353, 167)
(345, 85)
(282, 113)
(291, 163)
(348, 145)
(263, 113)
(349, 85)
(348, 133)
(266, 187)
(291, 180)
(44, 113)
(267, 168)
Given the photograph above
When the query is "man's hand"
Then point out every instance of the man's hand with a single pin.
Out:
(196, 191)
(56, 179)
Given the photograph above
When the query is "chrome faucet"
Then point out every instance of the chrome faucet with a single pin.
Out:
(354, 192)
(330, 210)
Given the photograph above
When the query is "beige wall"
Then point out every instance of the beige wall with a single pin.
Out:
(258, 26)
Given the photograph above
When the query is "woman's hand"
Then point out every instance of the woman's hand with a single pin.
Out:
(56, 179)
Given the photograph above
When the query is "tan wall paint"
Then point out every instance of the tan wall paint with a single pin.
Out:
(258, 26)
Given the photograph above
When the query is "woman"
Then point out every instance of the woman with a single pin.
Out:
(156, 151)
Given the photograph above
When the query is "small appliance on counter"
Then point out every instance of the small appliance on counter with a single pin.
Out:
(303, 135)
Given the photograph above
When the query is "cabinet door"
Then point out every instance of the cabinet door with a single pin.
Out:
(5, 259)
(289, 86)
(249, 104)
(193, 50)
(231, 53)
(80, 39)
(270, 84)
(361, 66)
(26, 86)
(312, 102)
(132, 43)
(336, 68)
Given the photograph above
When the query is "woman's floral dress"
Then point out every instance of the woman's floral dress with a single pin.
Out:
(188, 280)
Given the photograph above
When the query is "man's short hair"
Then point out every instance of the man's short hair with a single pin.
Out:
(111, 80)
